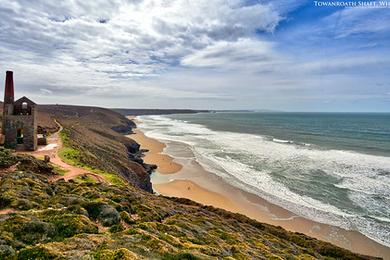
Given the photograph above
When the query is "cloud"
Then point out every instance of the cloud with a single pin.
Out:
(353, 21)
(232, 54)
(157, 52)
(86, 45)
(348, 64)
(46, 91)
(137, 38)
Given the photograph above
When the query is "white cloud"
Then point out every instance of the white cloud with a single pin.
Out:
(137, 31)
(242, 52)
(340, 64)
(46, 91)
(146, 50)
(84, 45)
(350, 21)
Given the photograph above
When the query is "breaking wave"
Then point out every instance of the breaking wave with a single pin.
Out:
(342, 188)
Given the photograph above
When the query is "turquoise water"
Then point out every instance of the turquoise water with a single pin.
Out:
(332, 168)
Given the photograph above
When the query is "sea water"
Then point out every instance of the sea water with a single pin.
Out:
(333, 168)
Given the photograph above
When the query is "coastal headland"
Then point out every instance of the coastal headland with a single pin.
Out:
(110, 212)
(190, 180)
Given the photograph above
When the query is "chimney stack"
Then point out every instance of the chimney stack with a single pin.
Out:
(9, 88)
(8, 94)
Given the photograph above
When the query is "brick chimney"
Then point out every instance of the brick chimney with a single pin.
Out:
(9, 88)
(9, 94)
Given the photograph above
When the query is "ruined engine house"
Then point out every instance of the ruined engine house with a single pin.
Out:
(20, 127)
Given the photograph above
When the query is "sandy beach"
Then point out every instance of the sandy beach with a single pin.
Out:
(165, 163)
(188, 179)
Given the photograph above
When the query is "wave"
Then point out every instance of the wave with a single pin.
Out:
(282, 141)
(336, 187)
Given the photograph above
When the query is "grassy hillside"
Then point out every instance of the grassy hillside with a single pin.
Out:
(94, 139)
(81, 219)
(85, 220)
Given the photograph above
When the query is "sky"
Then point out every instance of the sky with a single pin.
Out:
(203, 54)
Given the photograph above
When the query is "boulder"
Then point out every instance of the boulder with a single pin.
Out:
(103, 212)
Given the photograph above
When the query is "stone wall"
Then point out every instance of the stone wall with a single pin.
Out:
(29, 125)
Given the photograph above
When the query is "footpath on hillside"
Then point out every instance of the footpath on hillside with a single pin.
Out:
(52, 149)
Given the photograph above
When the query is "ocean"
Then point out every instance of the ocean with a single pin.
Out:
(332, 168)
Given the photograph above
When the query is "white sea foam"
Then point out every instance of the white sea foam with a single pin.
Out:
(282, 141)
(258, 165)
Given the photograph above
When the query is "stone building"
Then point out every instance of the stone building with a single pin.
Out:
(19, 119)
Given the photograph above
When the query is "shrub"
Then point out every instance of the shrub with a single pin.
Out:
(180, 256)
(68, 225)
(36, 253)
(6, 158)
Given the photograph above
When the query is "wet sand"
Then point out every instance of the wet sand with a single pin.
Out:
(188, 179)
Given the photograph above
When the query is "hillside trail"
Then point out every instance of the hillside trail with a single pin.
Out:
(54, 145)
(7, 211)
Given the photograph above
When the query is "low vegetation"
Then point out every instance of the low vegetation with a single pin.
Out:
(82, 219)
(93, 139)
(75, 157)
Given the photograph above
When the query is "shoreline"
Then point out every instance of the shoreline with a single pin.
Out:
(188, 179)
(165, 163)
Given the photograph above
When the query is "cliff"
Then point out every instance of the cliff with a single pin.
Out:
(86, 219)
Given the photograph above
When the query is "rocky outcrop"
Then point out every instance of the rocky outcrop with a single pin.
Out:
(126, 128)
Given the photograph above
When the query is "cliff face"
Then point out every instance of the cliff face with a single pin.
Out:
(81, 219)
(97, 136)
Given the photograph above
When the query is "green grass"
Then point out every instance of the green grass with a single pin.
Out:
(72, 156)
(85, 178)
(112, 178)
(57, 169)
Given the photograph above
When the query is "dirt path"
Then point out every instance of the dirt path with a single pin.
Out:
(54, 145)
(12, 168)
(7, 211)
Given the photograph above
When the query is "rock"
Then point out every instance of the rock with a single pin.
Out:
(109, 216)
(125, 128)
(103, 212)
(47, 158)
(150, 167)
